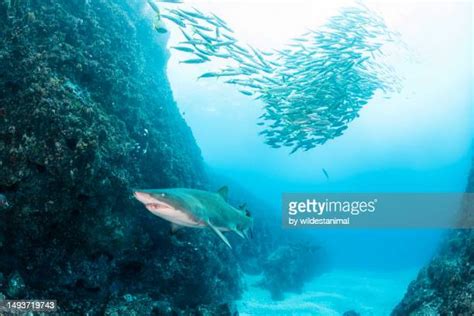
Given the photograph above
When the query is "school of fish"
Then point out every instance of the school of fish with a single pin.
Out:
(311, 89)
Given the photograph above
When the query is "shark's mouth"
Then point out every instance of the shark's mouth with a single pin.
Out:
(167, 211)
(145, 198)
(158, 206)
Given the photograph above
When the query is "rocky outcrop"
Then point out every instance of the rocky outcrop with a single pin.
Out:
(289, 267)
(446, 285)
(86, 114)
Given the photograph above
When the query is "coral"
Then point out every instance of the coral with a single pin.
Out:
(87, 114)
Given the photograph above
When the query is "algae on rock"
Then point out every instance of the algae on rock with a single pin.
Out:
(86, 113)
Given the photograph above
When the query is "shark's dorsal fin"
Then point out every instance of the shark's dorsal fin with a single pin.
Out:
(224, 192)
(220, 234)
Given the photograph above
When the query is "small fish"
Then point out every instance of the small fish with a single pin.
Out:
(202, 27)
(222, 23)
(218, 74)
(209, 75)
(267, 53)
(193, 61)
(194, 43)
(245, 92)
(186, 35)
(160, 26)
(311, 89)
(224, 43)
(173, 19)
(192, 14)
(183, 49)
(204, 36)
(325, 173)
(225, 56)
(153, 5)
(184, 16)
(202, 56)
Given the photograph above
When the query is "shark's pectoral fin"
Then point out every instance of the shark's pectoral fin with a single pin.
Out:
(220, 234)
(238, 232)
(175, 228)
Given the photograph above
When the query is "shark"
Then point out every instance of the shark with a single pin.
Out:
(194, 208)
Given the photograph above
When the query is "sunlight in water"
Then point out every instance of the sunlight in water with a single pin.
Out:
(430, 106)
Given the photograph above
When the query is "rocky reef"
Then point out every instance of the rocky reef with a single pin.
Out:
(289, 267)
(446, 285)
(86, 114)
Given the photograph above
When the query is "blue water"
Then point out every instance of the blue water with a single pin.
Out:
(231, 146)
(419, 140)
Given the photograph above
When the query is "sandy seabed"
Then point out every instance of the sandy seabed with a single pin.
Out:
(366, 292)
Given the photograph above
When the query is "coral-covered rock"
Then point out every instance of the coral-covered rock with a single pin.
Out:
(86, 114)
(446, 285)
(130, 305)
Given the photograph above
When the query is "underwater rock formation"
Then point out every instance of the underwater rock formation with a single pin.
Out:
(446, 285)
(86, 114)
(288, 268)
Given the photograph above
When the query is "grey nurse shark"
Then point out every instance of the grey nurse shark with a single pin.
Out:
(198, 209)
